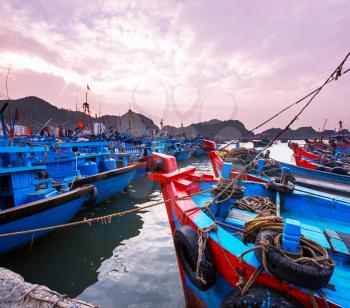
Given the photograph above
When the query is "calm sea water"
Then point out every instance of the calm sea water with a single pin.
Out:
(129, 262)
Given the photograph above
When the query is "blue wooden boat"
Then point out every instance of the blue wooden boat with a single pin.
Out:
(82, 163)
(255, 245)
(317, 174)
(180, 151)
(29, 201)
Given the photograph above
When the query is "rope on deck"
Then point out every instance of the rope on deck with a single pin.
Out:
(310, 252)
(255, 204)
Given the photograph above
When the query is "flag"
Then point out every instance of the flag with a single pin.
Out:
(87, 87)
(80, 124)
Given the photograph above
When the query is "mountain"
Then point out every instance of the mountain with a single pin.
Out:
(213, 129)
(34, 111)
(299, 133)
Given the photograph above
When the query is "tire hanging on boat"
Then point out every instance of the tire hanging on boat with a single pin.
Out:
(93, 197)
(284, 265)
(259, 297)
(186, 246)
(339, 170)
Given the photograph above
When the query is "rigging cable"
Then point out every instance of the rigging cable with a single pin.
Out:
(335, 75)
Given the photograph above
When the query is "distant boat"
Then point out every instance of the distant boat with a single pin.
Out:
(260, 143)
(317, 180)
(180, 151)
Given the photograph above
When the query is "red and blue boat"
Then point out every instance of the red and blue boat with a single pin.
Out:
(249, 244)
(321, 181)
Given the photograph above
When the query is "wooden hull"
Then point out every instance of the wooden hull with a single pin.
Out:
(44, 213)
(109, 183)
(226, 248)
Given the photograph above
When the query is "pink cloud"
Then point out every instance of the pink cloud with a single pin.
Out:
(266, 54)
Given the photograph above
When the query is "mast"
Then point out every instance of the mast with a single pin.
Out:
(86, 109)
(323, 127)
(341, 129)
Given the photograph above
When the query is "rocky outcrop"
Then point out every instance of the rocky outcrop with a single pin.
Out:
(16, 293)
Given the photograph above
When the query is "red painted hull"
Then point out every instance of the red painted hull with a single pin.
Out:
(177, 183)
(304, 163)
(298, 150)
(216, 162)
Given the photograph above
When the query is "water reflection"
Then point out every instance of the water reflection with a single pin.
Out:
(126, 263)
(68, 260)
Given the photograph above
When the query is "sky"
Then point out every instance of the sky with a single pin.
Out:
(183, 61)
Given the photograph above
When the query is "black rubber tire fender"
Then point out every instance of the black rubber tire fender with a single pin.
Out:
(259, 296)
(339, 170)
(323, 168)
(93, 197)
(302, 275)
(186, 246)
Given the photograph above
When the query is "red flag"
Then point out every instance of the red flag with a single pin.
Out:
(80, 124)
(29, 131)
(16, 115)
(87, 87)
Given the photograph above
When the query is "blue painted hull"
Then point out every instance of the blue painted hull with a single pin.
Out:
(142, 171)
(108, 188)
(199, 152)
(183, 155)
(109, 183)
(51, 216)
(321, 175)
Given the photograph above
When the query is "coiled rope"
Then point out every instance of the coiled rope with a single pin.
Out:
(255, 204)
(310, 252)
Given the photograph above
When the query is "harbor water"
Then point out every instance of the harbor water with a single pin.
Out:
(128, 262)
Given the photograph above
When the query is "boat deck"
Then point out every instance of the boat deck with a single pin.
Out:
(331, 233)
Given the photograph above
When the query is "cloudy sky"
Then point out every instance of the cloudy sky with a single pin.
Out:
(185, 61)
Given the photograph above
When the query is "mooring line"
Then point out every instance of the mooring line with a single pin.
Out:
(106, 218)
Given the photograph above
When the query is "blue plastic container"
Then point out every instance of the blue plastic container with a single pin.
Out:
(108, 164)
(88, 168)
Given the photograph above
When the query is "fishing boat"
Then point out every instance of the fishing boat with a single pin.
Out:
(28, 199)
(333, 164)
(198, 146)
(301, 151)
(180, 151)
(265, 168)
(83, 163)
(260, 143)
(248, 244)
